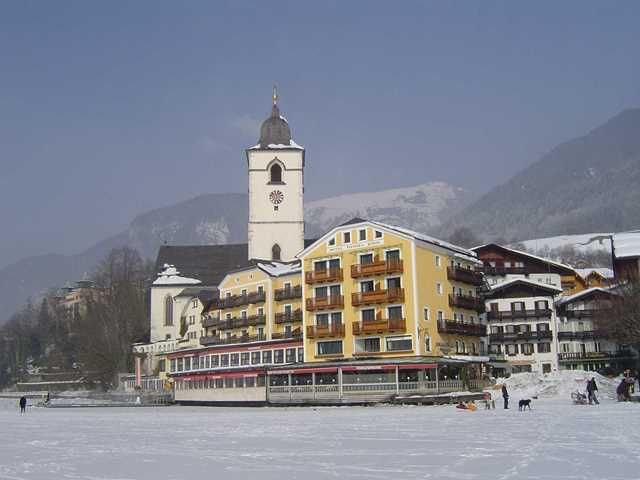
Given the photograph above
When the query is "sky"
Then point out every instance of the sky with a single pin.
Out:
(110, 109)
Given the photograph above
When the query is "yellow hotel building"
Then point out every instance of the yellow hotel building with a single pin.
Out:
(377, 291)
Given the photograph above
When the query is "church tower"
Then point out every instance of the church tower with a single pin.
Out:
(276, 190)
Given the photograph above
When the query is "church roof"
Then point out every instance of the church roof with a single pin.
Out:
(207, 263)
(275, 133)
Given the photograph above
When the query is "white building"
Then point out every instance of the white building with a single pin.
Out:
(522, 325)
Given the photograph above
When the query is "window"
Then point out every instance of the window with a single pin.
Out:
(322, 319)
(394, 283)
(244, 358)
(439, 288)
(276, 173)
(300, 355)
(224, 360)
(542, 305)
(275, 252)
(394, 313)
(395, 344)
(544, 348)
(368, 315)
(378, 234)
(168, 311)
(366, 286)
(250, 382)
(392, 255)
(330, 348)
(517, 306)
(542, 327)
(234, 359)
(228, 382)
(215, 361)
(332, 241)
(364, 345)
(438, 261)
(291, 355)
(266, 356)
(219, 382)
(427, 343)
(278, 356)
(426, 313)
(260, 289)
(440, 315)
(362, 235)
(366, 258)
(255, 358)
(511, 349)
(527, 348)
(347, 237)
(195, 303)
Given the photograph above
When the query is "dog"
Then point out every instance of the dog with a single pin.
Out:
(523, 404)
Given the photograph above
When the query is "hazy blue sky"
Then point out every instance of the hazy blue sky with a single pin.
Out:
(108, 109)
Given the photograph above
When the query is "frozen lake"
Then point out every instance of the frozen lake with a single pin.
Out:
(556, 440)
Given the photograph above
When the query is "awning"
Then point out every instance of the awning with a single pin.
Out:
(299, 371)
(417, 366)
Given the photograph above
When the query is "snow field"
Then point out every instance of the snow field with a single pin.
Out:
(556, 440)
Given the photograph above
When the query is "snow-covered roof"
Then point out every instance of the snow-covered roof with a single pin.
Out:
(278, 269)
(171, 276)
(583, 293)
(279, 146)
(526, 281)
(603, 272)
(527, 254)
(627, 244)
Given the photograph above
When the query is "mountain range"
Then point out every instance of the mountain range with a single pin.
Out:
(222, 218)
(589, 184)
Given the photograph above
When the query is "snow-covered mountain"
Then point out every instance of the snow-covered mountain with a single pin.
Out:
(419, 208)
(222, 218)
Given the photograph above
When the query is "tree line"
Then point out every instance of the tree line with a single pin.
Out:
(94, 341)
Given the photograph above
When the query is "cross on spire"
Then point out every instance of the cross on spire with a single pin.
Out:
(275, 95)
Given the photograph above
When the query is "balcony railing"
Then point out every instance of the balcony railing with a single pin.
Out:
(208, 341)
(287, 317)
(320, 276)
(579, 313)
(297, 333)
(210, 322)
(533, 335)
(502, 270)
(333, 330)
(568, 356)
(460, 328)
(464, 275)
(466, 301)
(584, 335)
(392, 295)
(325, 303)
(288, 293)
(377, 267)
(240, 300)
(379, 326)
(519, 314)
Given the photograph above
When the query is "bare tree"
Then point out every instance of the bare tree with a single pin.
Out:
(464, 237)
(619, 319)
(116, 315)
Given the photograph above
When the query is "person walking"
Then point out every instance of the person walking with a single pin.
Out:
(594, 389)
(505, 396)
(23, 404)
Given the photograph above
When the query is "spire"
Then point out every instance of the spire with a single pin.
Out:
(275, 111)
(275, 95)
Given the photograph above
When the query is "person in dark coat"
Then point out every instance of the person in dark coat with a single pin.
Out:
(623, 391)
(592, 388)
(505, 396)
(23, 404)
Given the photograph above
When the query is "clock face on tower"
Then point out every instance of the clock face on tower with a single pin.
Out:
(276, 197)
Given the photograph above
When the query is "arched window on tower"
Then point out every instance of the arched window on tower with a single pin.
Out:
(275, 252)
(276, 173)
(168, 311)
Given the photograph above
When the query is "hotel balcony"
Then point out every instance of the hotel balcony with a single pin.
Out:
(519, 314)
(329, 331)
(460, 328)
(579, 313)
(464, 275)
(241, 300)
(467, 301)
(379, 326)
(209, 341)
(377, 267)
(209, 322)
(583, 335)
(284, 317)
(572, 356)
(323, 276)
(372, 297)
(325, 303)
(290, 293)
(533, 335)
(502, 270)
(297, 333)
(254, 320)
